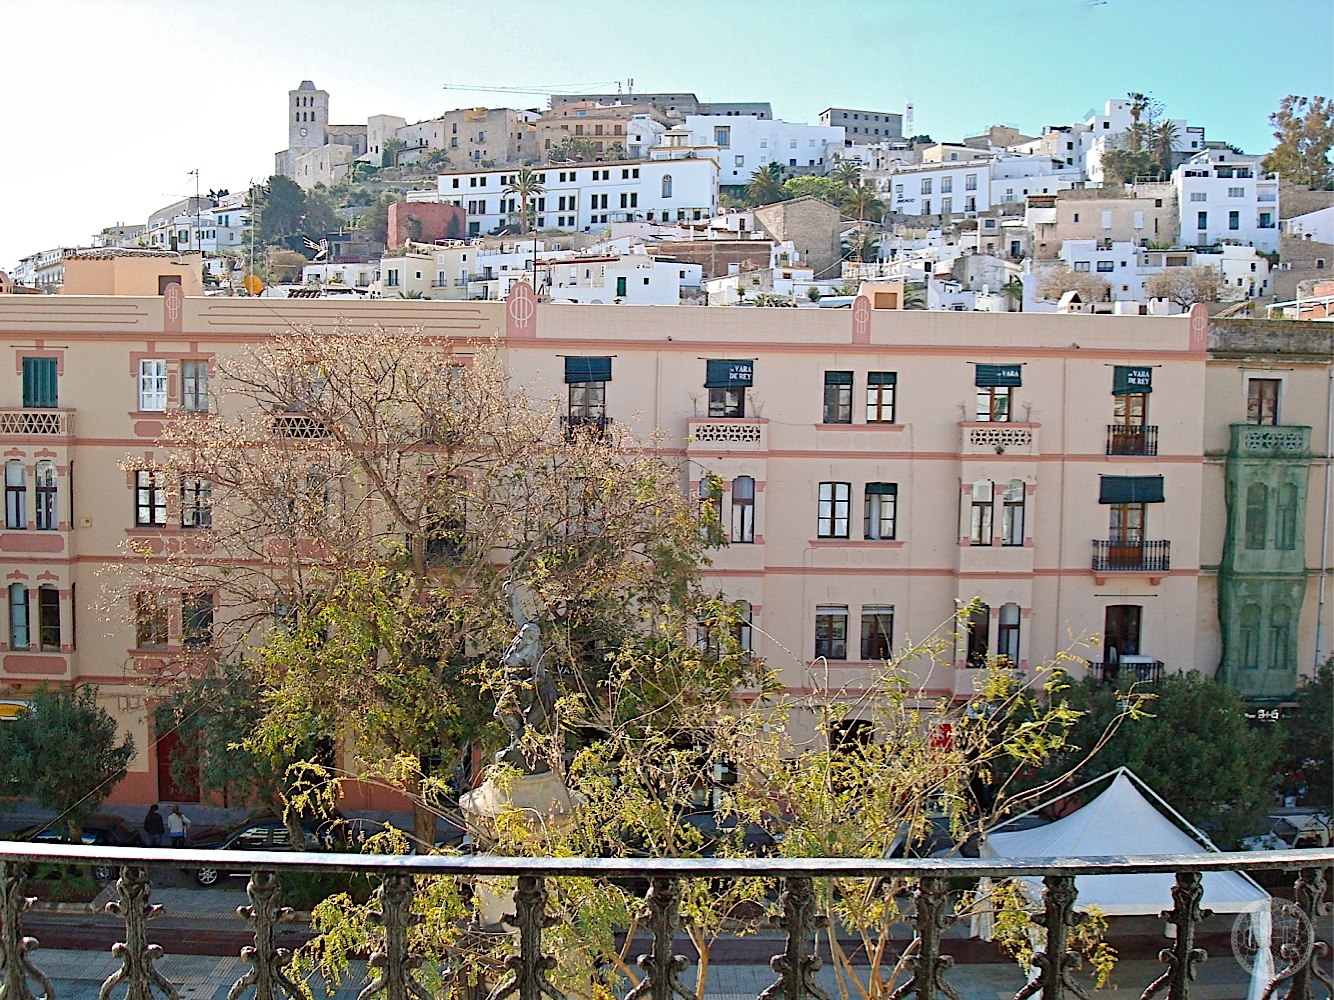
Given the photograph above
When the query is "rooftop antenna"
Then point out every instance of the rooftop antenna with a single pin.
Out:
(907, 121)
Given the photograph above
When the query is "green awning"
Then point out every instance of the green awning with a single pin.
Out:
(882, 489)
(725, 374)
(882, 378)
(1129, 381)
(991, 375)
(1130, 489)
(838, 378)
(587, 370)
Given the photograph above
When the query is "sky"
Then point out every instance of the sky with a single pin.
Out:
(111, 103)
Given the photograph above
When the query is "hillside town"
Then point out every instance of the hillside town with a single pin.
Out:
(951, 491)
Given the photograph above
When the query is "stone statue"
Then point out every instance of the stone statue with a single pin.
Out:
(528, 700)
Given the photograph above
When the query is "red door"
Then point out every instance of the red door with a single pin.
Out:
(175, 784)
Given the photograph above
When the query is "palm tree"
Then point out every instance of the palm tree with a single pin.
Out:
(766, 184)
(861, 203)
(1163, 138)
(526, 185)
(865, 246)
(846, 172)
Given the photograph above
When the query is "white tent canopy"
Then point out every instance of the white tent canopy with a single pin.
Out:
(1122, 821)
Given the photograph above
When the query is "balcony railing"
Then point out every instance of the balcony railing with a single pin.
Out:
(1132, 439)
(1128, 670)
(300, 426)
(595, 426)
(1114, 555)
(48, 423)
(928, 972)
(727, 434)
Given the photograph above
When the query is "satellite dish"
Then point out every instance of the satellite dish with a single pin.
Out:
(253, 284)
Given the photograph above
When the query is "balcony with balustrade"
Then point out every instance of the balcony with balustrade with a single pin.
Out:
(1132, 439)
(928, 893)
(1127, 556)
(33, 422)
(984, 438)
(724, 434)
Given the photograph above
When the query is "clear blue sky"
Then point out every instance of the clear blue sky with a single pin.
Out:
(110, 103)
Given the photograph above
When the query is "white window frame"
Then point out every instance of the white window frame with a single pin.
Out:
(152, 385)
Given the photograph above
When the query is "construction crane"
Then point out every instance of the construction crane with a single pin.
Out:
(545, 91)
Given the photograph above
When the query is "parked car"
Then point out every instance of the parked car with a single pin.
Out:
(100, 829)
(257, 835)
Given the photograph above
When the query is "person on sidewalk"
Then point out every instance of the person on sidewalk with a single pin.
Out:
(178, 825)
(153, 827)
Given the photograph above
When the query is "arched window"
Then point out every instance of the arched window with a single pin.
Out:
(743, 509)
(984, 492)
(1007, 637)
(1285, 518)
(18, 616)
(666, 185)
(16, 496)
(1257, 515)
(47, 518)
(1012, 519)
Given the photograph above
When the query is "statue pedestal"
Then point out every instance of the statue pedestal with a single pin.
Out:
(543, 802)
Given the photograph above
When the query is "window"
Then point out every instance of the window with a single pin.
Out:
(1262, 400)
(39, 383)
(1081, 265)
(722, 135)
(977, 636)
(1257, 515)
(152, 385)
(1106, 220)
(983, 497)
(473, 209)
(970, 182)
(838, 397)
(946, 205)
(1012, 513)
(1249, 637)
(742, 627)
(1007, 633)
(1201, 220)
(926, 185)
(48, 617)
(1234, 220)
(16, 496)
(946, 185)
(743, 509)
(833, 510)
(880, 397)
(1279, 633)
(881, 511)
(1125, 523)
(1285, 519)
(196, 502)
(197, 619)
(620, 286)
(666, 185)
(877, 631)
(1236, 192)
(18, 616)
(150, 621)
(726, 381)
(710, 505)
(831, 632)
(45, 481)
(194, 386)
(1106, 266)
(995, 384)
(150, 510)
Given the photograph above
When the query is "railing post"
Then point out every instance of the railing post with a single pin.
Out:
(1056, 961)
(1183, 956)
(136, 954)
(529, 967)
(1309, 898)
(396, 965)
(931, 915)
(798, 964)
(14, 947)
(267, 961)
(661, 967)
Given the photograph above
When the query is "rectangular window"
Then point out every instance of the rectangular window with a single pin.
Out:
(838, 397)
(1125, 522)
(983, 497)
(880, 388)
(196, 502)
(970, 182)
(1199, 196)
(18, 616)
(152, 385)
(1236, 192)
(1201, 220)
(831, 632)
(877, 631)
(16, 496)
(1262, 400)
(150, 622)
(946, 205)
(946, 185)
(197, 619)
(881, 511)
(194, 385)
(833, 509)
(1106, 266)
(993, 403)
(587, 404)
(743, 509)
(150, 505)
(39, 383)
(48, 618)
(1012, 513)
(1234, 220)
(926, 185)
(722, 135)
(726, 381)
(45, 494)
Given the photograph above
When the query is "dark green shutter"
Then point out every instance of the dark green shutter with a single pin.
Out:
(993, 375)
(1128, 380)
(838, 378)
(587, 370)
(882, 489)
(725, 374)
(39, 383)
(882, 378)
(1130, 489)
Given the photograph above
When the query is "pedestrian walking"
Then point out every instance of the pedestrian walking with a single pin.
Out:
(178, 825)
(153, 826)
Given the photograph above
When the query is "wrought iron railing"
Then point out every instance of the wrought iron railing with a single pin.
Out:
(933, 884)
(595, 426)
(1125, 672)
(1132, 439)
(1117, 556)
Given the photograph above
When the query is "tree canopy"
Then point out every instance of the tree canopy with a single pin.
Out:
(1184, 286)
(1304, 130)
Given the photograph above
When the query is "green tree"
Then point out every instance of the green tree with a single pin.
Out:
(66, 753)
(526, 185)
(1124, 166)
(281, 206)
(574, 148)
(374, 222)
(823, 188)
(847, 173)
(1192, 744)
(1308, 740)
(1304, 130)
(1163, 139)
(766, 184)
(389, 152)
(860, 203)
